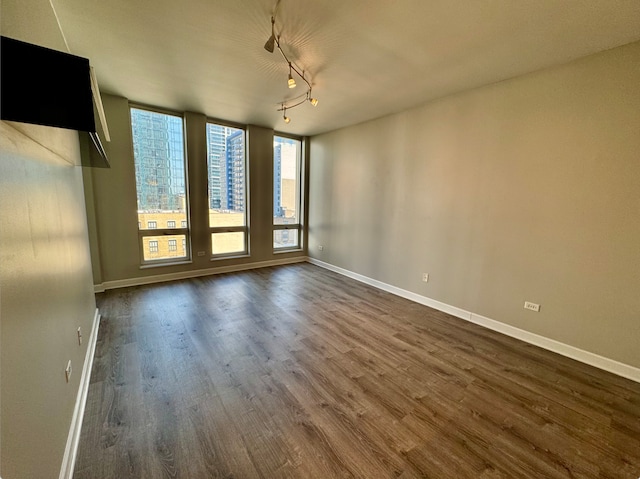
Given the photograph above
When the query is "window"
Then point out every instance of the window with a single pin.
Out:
(287, 154)
(159, 157)
(226, 166)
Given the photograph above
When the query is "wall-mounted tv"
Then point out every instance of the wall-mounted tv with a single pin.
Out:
(46, 87)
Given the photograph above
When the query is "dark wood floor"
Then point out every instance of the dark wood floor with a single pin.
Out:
(298, 372)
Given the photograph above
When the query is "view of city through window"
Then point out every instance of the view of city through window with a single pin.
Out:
(227, 189)
(286, 192)
(159, 155)
(158, 151)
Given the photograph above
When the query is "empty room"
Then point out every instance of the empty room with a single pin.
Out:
(320, 239)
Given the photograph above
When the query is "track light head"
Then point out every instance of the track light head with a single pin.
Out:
(271, 43)
(291, 82)
(313, 101)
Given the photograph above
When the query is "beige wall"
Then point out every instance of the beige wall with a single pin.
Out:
(46, 293)
(528, 189)
(114, 197)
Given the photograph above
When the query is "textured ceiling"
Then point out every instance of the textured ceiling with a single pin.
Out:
(365, 58)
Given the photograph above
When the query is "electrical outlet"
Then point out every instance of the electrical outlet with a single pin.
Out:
(320, 247)
(425, 277)
(201, 253)
(532, 306)
(68, 371)
(79, 336)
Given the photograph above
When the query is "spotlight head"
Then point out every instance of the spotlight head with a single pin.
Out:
(313, 101)
(270, 45)
(291, 82)
(287, 119)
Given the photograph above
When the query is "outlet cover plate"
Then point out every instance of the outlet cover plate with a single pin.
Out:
(532, 306)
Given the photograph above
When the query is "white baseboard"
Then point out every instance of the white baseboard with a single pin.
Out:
(592, 359)
(160, 278)
(71, 449)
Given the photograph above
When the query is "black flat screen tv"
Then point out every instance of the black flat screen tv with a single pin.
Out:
(45, 87)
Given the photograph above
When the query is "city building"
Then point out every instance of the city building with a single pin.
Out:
(226, 159)
(159, 161)
(234, 172)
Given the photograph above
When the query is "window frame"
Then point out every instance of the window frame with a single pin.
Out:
(299, 226)
(230, 229)
(159, 232)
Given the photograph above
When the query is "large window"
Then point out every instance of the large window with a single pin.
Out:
(286, 193)
(158, 151)
(226, 169)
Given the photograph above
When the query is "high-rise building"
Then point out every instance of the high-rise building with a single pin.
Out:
(158, 149)
(277, 181)
(226, 168)
(216, 145)
(235, 173)
(284, 176)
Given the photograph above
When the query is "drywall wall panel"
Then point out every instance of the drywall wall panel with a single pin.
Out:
(524, 190)
(46, 293)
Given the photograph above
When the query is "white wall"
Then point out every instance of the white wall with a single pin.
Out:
(46, 293)
(528, 189)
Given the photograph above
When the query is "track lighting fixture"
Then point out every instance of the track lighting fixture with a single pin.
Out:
(272, 43)
(291, 82)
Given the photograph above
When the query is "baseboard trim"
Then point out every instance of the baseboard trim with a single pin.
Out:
(592, 359)
(71, 449)
(160, 278)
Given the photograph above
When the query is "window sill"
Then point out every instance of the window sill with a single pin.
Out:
(165, 264)
(221, 258)
(288, 250)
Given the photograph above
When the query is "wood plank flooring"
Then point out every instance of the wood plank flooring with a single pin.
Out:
(297, 372)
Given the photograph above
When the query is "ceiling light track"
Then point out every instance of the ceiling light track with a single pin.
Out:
(272, 43)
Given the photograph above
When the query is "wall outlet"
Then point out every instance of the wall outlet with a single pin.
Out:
(532, 306)
(68, 371)
(79, 336)
(425, 277)
(201, 253)
(320, 247)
